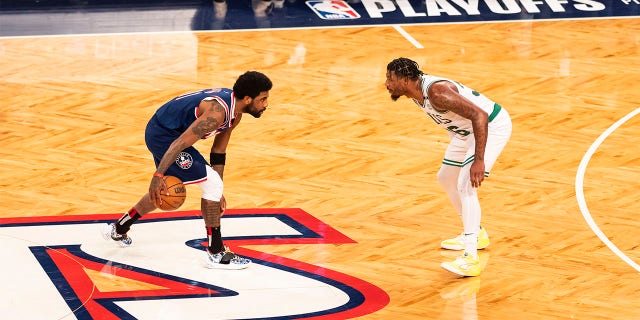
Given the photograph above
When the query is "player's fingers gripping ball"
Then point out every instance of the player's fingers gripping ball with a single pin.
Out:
(175, 196)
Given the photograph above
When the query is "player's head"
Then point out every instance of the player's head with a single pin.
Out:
(405, 68)
(399, 72)
(250, 84)
(256, 86)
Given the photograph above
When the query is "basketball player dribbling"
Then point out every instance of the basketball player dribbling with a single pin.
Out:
(170, 135)
(479, 129)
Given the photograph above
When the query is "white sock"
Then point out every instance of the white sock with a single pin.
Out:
(471, 244)
(471, 214)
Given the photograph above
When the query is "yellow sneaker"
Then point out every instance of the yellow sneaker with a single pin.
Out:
(457, 243)
(465, 265)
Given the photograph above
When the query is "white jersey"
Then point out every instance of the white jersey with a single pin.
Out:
(456, 124)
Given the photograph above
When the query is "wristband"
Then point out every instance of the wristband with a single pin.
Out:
(159, 175)
(218, 158)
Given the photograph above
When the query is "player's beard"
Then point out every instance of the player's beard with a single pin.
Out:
(394, 96)
(253, 111)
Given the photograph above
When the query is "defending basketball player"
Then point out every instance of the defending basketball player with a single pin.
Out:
(170, 135)
(479, 129)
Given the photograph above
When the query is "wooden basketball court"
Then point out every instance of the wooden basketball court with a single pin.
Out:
(332, 143)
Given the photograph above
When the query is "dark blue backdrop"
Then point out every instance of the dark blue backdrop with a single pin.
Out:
(300, 13)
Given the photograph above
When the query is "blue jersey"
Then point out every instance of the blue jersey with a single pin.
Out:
(173, 118)
(179, 113)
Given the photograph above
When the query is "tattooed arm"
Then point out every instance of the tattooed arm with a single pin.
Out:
(444, 95)
(210, 115)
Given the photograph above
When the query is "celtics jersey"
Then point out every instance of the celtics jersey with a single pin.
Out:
(456, 124)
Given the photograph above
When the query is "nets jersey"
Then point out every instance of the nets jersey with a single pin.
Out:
(456, 124)
(179, 113)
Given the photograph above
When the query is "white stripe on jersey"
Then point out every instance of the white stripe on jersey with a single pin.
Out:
(229, 112)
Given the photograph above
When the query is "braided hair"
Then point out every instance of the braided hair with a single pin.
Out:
(405, 67)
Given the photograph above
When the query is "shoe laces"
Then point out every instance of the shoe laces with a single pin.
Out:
(118, 237)
(460, 237)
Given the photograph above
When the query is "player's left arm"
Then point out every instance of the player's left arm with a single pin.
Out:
(444, 95)
(219, 154)
(219, 147)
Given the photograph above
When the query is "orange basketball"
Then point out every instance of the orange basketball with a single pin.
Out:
(177, 194)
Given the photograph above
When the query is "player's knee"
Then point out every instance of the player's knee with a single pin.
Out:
(211, 195)
(447, 177)
(212, 187)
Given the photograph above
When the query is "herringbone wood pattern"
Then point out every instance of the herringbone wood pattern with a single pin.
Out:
(74, 109)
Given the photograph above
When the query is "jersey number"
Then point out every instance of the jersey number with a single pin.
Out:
(455, 130)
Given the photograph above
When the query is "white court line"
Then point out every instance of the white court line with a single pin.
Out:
(408, 37)
(580, 192)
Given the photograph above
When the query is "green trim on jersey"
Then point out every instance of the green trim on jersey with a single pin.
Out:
(461, 164)
(494, 113)
(457, 163)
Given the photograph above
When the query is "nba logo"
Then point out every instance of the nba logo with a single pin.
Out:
(333, 9)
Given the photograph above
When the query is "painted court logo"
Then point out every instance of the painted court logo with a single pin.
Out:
(75, 274)
(333, 10)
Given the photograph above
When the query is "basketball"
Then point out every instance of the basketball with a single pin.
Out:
(177, 194)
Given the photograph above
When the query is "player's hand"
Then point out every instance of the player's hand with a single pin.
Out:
(156, 188)
(223, 205)
(477, 173)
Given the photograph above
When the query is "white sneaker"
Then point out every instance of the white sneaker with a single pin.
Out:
(109, 233)
(226, 260)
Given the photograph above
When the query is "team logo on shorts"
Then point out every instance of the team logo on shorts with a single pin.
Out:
(333, 10)
(184, 160)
